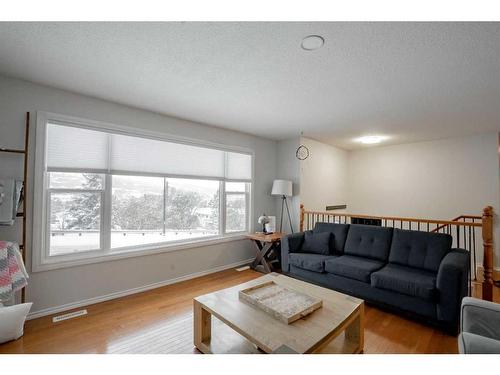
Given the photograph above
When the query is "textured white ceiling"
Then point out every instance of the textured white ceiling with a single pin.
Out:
(410, 81)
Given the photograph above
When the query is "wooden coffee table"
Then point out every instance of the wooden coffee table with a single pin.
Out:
(238, 327)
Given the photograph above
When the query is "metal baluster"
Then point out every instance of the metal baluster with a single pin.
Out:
(474, 251)
(470, 275)
(465, 235)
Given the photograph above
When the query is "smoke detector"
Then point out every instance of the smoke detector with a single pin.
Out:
(312, 42)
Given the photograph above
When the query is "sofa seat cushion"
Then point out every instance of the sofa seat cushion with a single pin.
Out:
(368, 241)
(406, 280)
(353, 267)
(311, 262)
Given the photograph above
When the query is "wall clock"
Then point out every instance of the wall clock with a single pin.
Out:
(302, 152)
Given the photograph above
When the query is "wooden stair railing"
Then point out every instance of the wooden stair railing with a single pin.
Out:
(467, 245)
(463, 230)
(464, 218)
(487, 222)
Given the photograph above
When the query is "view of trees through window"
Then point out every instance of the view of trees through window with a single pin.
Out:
(235, 206)
(143, 210)
(156, 209)
(75, 212)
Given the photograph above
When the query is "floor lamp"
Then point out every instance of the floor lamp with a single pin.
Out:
(283, 188)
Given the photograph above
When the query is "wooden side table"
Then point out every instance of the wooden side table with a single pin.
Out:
(266, 254)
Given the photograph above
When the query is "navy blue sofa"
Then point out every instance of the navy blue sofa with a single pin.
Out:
(411, 272)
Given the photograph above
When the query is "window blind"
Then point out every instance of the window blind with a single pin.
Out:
(72, 148)
(76, 148)
(238, 166)
(132, 154)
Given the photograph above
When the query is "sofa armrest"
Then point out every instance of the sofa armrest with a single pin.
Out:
(291, 243)
(452, 285)
(480, 318)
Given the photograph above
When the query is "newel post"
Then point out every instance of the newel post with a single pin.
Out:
(487, 230)
(302, 213)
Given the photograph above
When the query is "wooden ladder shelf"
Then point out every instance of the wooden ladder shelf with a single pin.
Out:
(22, 214)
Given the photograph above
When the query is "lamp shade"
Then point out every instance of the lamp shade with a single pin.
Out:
(282, 187)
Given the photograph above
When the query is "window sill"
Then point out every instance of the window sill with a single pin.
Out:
(123, 253)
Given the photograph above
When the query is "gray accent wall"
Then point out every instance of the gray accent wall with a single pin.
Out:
(288, 168)
(52, 289)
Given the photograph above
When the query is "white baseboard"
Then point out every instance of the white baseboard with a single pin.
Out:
(107, 297)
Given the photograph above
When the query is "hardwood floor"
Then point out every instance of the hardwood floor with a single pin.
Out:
(160, 321)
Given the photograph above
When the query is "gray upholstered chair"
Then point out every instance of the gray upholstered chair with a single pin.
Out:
(480, 327)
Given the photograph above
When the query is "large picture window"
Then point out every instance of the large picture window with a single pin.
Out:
(106, 191)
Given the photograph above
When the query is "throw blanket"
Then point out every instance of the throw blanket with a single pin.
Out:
(13, 275)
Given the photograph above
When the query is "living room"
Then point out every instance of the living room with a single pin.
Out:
(249, 187)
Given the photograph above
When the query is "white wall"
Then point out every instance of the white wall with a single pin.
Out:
(323, 176)
(318, 181)
(439, 179)
(59, 287)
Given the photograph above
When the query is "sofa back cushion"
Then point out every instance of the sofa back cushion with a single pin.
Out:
(339, 235)
(419, 249)
(368, 241)
(317, 243)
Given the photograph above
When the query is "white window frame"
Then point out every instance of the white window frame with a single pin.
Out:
(42, 261)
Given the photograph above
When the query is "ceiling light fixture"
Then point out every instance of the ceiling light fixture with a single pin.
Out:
(312, 42)
(372, 139)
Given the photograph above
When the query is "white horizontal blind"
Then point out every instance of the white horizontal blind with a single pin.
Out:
(92, 150)
(76, 148)
(132, 154)
(239, 166)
